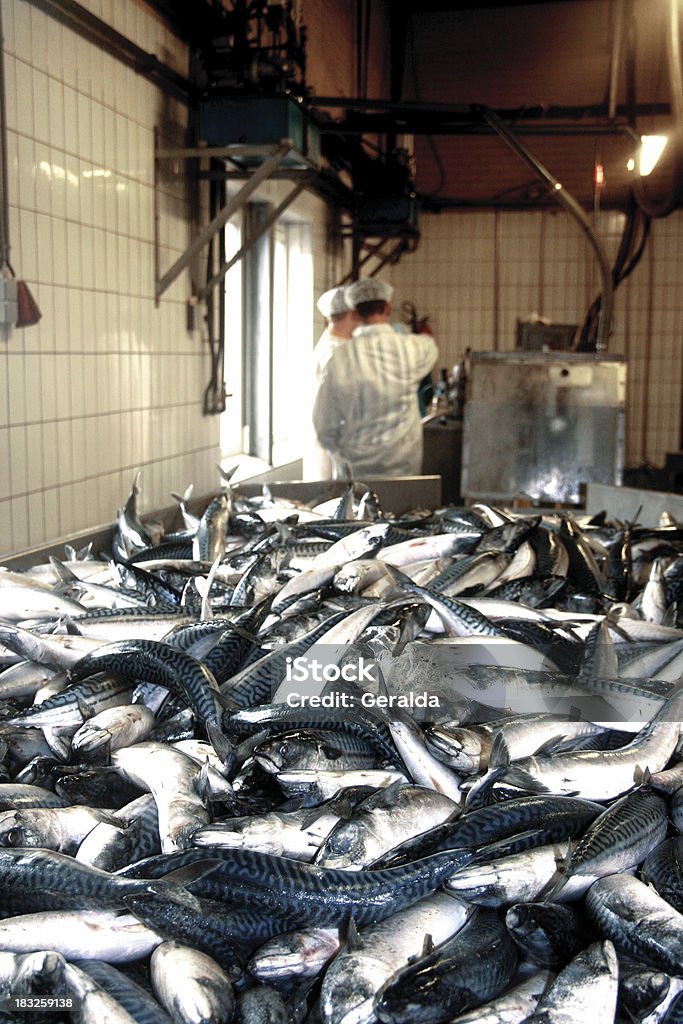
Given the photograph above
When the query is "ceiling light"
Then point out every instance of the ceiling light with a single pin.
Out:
(651, 148)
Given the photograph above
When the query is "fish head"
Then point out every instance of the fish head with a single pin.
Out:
(91, 741)
(38, 972)
(349, 989)
(19, 829)
(345, 847)
(460, 748)
(295, 751)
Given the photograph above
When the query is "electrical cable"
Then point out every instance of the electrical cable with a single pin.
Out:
(637, 223)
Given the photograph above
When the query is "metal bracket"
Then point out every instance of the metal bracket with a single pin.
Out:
(251, 241)
(272, 157)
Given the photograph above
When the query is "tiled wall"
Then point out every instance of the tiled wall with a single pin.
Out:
(475, 274)
(107, 383)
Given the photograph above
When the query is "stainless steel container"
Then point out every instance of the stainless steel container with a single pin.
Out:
(539, 425)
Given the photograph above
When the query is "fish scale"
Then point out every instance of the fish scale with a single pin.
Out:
(475, 965)
(663, 869)
(619, 838)
(142, 1007)
(275, 717)
(65, 709)
(274, 892)
(477, 569)
(550, 818)
(159, 663)
(459, 619)
(255, 684)
(307, 894)
(36, 879)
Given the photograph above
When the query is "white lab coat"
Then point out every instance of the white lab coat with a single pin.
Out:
(317, 461)
(366, 410)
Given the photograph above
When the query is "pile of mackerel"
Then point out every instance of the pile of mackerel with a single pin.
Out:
(318, 763)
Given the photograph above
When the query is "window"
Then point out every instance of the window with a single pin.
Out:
(278, 337)
(292, 339)
(232, 434)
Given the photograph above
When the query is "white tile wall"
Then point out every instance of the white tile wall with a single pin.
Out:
(96, 390)
(473, 271)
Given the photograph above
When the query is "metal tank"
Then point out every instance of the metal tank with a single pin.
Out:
(541, 425)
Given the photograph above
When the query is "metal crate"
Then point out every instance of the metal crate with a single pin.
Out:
(541, 425)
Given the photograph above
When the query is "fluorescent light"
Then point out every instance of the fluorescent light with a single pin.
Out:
(651, 148)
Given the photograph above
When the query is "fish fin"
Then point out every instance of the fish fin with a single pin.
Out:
(500, 753)
(671, 615)
(189, 873)
(59, 744)
(221, 744)
(641, 776)
(352, 939)
(521, 778)
(554, 888)
(482, 787)
(65, 574)
(84, 710)
(203, 784)
(551, 746)
(427, 947)
(185, 496)
(70, 626)
(203, 586)
(342, 808)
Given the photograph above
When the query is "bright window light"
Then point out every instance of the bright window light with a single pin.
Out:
(651, 148)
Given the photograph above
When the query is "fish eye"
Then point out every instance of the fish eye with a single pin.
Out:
(14, 837)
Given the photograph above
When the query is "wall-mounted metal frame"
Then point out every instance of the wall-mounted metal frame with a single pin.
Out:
(254, 163)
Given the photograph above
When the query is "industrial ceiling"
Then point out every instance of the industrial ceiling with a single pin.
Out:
(577, 82)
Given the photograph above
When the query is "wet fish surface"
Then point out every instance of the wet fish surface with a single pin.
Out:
(175, 805)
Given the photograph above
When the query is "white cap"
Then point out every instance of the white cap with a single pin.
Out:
(333, 303)
(369, 289)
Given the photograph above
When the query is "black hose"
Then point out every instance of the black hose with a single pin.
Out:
(672, 201)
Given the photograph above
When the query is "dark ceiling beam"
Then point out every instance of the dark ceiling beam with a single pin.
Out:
(96, 31)
(368, 117)
(445, 6)
(398, 39)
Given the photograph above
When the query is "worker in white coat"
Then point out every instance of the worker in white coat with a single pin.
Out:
(366, 410)
(341, 320)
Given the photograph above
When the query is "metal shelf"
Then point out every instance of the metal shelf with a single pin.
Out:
(254, 163)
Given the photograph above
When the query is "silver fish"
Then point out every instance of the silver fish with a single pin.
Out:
(99, 935)
(355, 977)
(174, 781)
(299, 954)
(191, 985)
(52, 828)
(111, 729)
(586, 989)
(382, 821)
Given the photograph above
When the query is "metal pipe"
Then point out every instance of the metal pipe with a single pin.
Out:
(260, 175)
(4, 177)
(465, 110)
(615, 65)
(570, 204)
